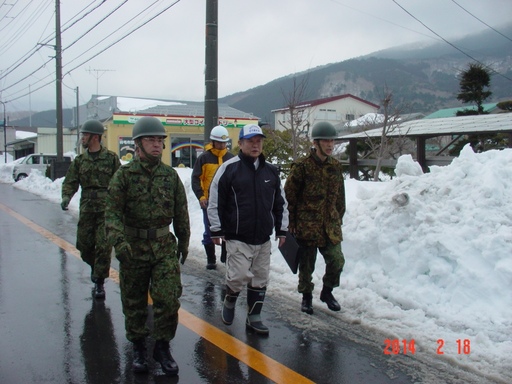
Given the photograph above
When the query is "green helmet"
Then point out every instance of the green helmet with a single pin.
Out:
(323, 130)
(92, 126)
(148, 126)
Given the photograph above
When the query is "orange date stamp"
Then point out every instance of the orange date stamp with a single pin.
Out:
(405, 347)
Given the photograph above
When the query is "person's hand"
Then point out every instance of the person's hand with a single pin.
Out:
(182, 253)
(203, 203)
(217, 240)
(64, 204)
(123, 251)
(282, 240)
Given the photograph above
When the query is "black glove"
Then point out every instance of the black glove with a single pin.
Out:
(64, 204)
(182, 253)
(123, 251)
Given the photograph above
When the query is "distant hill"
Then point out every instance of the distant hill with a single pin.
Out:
(421, 79)
(45, 119)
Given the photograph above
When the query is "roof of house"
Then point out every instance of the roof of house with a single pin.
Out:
(501, 122)
(171, 107)
(452, 112)
(314, 103)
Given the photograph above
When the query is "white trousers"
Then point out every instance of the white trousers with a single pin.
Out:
(247, 264)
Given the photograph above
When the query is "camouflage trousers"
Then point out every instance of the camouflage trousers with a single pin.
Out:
(334, 262)
(162, 278)
(92, 243)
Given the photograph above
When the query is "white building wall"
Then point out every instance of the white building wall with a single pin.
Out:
(47, 140)
(336, 112)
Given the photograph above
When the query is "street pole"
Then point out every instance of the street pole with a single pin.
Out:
(5, 136)
(211, 107)
(58, 61)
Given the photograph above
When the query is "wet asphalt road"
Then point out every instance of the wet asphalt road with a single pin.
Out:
(53, 331)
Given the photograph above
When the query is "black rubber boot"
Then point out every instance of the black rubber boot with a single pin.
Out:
(162, 355)
(223, 253)
(210, 256)
(327, 297)
(307, 303)
(99, 289)
(228, 309)
(140, 358)
(255, 298)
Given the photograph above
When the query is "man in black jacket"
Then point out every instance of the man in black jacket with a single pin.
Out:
(246, 205)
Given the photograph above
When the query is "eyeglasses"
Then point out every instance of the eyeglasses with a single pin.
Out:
(154, 140)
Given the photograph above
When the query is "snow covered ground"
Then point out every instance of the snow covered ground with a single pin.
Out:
(428, 257)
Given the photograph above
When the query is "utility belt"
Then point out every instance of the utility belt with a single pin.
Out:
(94, 194)
(152, 233)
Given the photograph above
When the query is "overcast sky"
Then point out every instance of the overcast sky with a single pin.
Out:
(259, 41)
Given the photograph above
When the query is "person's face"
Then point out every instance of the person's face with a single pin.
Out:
(326, 145)
(85, 140)
(219, 145)
(154, 145)
(251, 147)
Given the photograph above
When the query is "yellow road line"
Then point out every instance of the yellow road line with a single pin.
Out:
(258, 361)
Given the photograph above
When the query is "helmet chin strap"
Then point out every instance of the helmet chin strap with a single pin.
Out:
(86, 144)
(319, 148)
(151, 159)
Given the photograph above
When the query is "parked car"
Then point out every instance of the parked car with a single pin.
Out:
(40, 161)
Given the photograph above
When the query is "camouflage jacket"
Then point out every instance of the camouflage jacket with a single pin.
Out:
(315, 192)
(92, 174)
(147, 196)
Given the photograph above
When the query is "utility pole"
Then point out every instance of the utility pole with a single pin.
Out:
(58, 61)
(77, 123)
(211, 107)
(5, 136)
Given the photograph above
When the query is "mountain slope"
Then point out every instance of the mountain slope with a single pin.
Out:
(421, 79)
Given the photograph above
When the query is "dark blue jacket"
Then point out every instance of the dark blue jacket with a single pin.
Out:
(245, 203)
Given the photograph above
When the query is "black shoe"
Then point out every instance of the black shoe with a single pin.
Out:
(162, 355)
(99, 290)
(307, 303)
(140, 359)
(211, 266)
(327, 297)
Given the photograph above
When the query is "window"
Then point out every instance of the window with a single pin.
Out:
(349, 117)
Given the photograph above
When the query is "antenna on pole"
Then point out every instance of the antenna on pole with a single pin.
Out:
(97, 75)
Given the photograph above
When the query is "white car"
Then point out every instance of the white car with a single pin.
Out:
(40, 161)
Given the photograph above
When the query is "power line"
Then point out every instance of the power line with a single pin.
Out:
(95, 46)
(483, 22)
(447, 42)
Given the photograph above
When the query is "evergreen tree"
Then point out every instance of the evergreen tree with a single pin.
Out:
(474, 85)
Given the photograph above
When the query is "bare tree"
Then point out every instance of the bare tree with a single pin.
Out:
(298, 122)
(386, 146)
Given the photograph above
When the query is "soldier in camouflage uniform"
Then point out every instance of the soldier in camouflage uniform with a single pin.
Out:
(315, 192)
(145, 197)
(92, 170)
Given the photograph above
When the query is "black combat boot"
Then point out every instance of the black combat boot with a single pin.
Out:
(223, 252)
(140, 358)
(327, 297)
(162, 355)
(307, 303)
(228, 309)
(255, 298)
(99, 289)
(210, 256)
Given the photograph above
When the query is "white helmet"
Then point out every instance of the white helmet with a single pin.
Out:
(219, 133)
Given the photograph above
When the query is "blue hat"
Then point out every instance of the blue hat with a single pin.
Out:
(250, 130)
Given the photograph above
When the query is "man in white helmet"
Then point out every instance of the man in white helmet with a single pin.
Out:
(215, 153)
